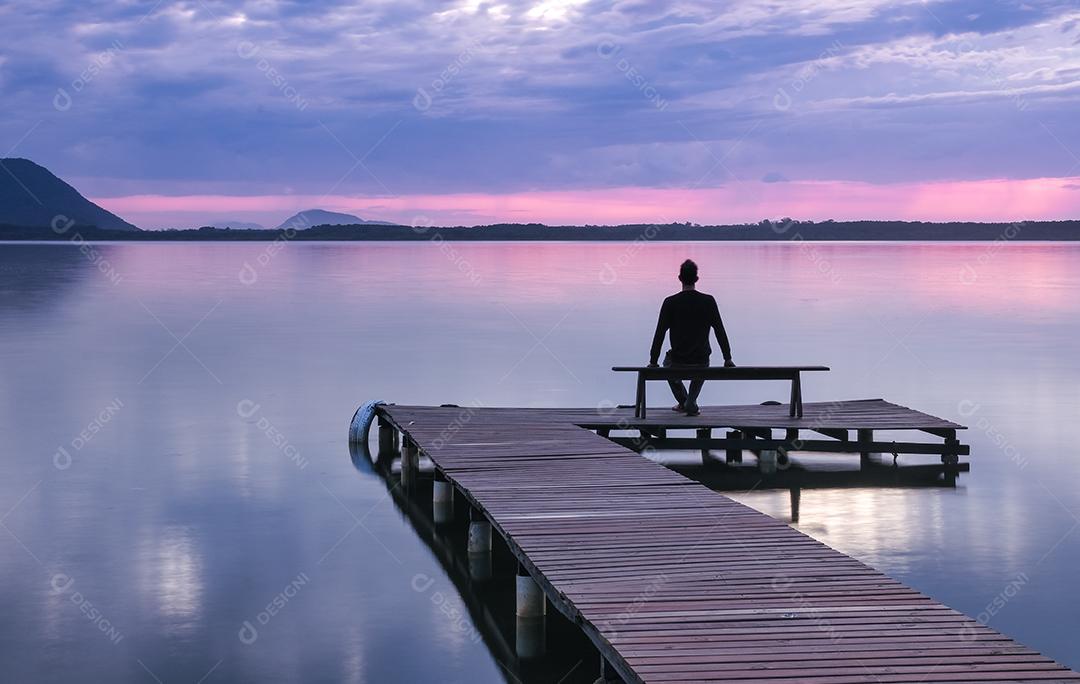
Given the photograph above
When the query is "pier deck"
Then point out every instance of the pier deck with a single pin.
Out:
(674, 582)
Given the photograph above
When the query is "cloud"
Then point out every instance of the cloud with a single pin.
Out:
(893, 99)
(503, 98)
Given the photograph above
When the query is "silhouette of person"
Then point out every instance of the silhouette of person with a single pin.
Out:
(689, 315)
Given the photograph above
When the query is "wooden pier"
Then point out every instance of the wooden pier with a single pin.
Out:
(673, 582)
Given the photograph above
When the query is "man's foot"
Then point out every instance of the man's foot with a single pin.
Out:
(678, 408)
(692, 410)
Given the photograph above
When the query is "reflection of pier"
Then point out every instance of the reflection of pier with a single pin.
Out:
(530, 651)
(673, 582)
(873, 472)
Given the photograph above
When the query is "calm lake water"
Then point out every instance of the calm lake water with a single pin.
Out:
(175, 467)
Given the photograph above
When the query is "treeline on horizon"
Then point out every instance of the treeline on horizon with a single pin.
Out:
(785, 229)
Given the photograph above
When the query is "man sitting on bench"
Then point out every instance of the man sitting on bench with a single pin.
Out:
(689, 315)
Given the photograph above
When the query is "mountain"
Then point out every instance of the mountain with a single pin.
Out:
(321, 217)
(236, 225)
(31, 196)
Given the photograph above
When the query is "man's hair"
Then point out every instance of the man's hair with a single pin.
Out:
(688, 272)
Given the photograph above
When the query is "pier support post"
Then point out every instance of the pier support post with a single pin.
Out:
(705, 434)
(791, 436)
(796, 495)
(531, 602)
(608, 675)
(530, 616)
(865, 436)
(530, 637)
(767, 462)
(734, 455)
(768, 459)
(479, 546)
(951, 456)
(410, 463)
(387, 438)
(442, 499)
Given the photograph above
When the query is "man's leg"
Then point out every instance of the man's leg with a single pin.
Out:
(695, 390)
(677, 388)
(679, 391)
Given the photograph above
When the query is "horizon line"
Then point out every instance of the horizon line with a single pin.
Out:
(987, 200)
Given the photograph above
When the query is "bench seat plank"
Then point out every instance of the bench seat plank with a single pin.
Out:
(791, 373)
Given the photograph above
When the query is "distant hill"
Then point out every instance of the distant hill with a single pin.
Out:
(795, 232)
(236, 225)
(321, 217)
(31, 196)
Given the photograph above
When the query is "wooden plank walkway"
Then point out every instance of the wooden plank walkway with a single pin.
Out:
(676, 583)
(874, 414)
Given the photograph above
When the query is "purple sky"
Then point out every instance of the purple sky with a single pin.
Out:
(182, 113)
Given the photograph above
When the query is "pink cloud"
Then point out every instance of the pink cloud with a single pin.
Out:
(981, 200)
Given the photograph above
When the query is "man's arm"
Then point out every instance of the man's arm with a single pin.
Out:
(721, 335)
(658, 336)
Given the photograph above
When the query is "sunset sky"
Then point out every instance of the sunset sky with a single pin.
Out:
(175, 114)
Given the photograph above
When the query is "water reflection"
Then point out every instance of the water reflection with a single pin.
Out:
(818, 472)
(552, 649)
(170, 574)
(181, 518)
(36, 278)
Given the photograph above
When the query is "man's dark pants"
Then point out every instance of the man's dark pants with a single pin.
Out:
(678, 389)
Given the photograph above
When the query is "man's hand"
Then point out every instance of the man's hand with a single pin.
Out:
(728, 363)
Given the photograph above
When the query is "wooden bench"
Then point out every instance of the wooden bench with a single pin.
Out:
(792, 373)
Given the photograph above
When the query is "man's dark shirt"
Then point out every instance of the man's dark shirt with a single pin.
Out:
(690, 316)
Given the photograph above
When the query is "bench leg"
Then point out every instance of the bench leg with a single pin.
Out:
(796, 410)
(798, 395)
(640, 403)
